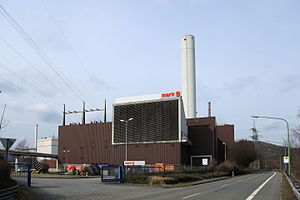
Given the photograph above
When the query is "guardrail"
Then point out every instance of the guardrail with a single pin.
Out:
(294, 184)
(9, 193)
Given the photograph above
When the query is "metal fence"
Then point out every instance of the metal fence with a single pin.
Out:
(21, 173)
(112, 173)
(143, 169)
(118, 173)
(169, 168)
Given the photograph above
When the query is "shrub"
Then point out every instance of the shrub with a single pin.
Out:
(136, 178)
(158, 180)
(226, 167)
(183, 177)
(5, 180)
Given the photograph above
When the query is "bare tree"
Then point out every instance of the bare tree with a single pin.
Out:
(295, 139)
(243, 153)
(295, 142)
(3, 123)
(22, 145)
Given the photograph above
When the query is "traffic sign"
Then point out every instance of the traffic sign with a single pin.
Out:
(205, 161)
(7, 142)
(286, 159)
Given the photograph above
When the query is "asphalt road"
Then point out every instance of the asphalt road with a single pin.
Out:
(237, 188)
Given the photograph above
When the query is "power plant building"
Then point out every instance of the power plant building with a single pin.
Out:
(159, 128)
(158, 133)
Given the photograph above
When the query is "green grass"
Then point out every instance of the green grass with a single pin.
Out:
(286, 190)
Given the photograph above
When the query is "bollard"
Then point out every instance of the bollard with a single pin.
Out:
(232, 173)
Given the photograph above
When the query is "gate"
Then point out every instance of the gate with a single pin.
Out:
(21, 173)
(112, 173)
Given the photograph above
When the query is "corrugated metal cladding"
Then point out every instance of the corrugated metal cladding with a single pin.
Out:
(202, 121)
(226, 134)
(153, 121)
(207, 138)
(202, 137)
(92, 143)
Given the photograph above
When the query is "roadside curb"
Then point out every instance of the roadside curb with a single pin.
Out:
(197, 182)
(210, 180)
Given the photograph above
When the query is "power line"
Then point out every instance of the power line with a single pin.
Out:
(39, 51)
(33, 83)
(67, 41)
(35, 68)
(27, 92)
(65, 38)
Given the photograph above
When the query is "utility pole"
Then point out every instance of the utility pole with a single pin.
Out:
(83, 113)
(36, 136)
(105, 111)
(64, 116)
(255, 140)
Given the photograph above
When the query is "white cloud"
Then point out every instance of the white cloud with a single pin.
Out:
(269, 124)
(44, 113)
(290, 82)
(238, 85)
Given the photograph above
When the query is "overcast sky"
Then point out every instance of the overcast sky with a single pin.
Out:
(247, 59)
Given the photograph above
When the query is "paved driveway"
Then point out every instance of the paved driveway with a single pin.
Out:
(237, 188)
(86, 188)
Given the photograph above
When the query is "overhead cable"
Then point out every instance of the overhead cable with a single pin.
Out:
(39, 51)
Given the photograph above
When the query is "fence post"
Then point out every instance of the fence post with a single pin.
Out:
(29, 175)
(122, 173)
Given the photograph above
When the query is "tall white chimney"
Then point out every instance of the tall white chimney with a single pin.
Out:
(188, 75)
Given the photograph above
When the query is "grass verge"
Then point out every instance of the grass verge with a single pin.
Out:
(286, 190)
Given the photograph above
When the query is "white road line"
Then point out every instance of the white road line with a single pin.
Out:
(224, 185)
(190, 195)
(260, 187)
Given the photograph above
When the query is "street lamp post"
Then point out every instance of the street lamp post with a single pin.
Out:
(288, 133)
(225, 151)
(66, 151)
(126, 125)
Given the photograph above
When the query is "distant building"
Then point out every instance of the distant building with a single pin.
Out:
(48, 145)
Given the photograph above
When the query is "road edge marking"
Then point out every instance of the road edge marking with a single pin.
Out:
(190, 195)
(260, 187)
